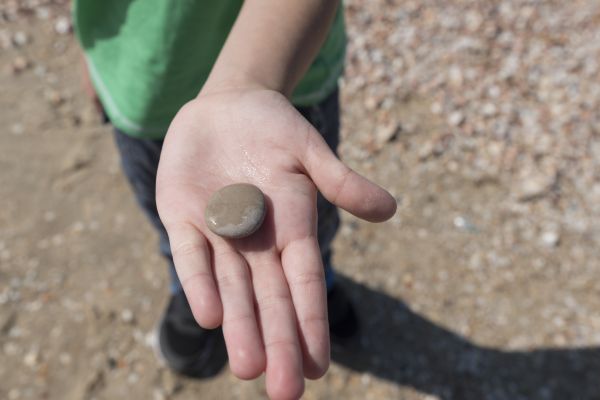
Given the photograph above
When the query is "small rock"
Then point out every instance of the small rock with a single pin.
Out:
(236, 211)
(365, 379)
(53, 97)
(20, 38)
(64, 359)
(510, 67)
(171, 383)
(550, 239)
(456, 118)
(494, 91)
(387, 133)
(489, 110)
(17, 129)
(535, 186)
(133, 378)
(455, 76)
(371, 103)
(62, 25)
(14, 394)
(436, 108)
(127, 316)
(473, 20)
(158, 394)
(464, 224)
(426, 150)
(31, 359)
(42, 13)
(19, 65)
(151, 339)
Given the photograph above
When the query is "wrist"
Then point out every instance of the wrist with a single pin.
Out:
(220, 81)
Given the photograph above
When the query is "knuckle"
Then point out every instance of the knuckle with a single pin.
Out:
(314, 319)
(238, 319)
(231, 280)
(273, 301)
(309, 278)
(188, 247)
(279, 342)
(196, 278)
(341, 183)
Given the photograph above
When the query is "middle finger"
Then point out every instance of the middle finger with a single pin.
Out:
(277, 318)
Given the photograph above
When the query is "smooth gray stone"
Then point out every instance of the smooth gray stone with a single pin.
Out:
(236, 211)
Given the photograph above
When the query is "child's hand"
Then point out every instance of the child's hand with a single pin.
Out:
(266, 290)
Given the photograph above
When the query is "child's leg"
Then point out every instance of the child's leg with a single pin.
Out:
(139, 160)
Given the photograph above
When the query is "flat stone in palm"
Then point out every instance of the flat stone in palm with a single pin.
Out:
(236, 211)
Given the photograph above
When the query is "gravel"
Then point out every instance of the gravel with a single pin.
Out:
(479, 116)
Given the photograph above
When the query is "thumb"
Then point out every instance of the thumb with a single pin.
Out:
(344, 187)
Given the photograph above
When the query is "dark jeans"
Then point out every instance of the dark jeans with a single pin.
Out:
(139, 160)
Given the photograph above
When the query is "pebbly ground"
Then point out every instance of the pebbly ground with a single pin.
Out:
(480, 117)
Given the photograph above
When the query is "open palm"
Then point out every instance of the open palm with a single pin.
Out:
(267, 290)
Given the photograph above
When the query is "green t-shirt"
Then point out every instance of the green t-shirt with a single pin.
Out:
(149, 57)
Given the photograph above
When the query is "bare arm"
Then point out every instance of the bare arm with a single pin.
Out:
(272, 44)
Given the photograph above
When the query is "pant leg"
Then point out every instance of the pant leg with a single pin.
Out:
(139, 161)
(325, 117)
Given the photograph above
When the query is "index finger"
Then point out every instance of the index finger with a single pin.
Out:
(192, 263)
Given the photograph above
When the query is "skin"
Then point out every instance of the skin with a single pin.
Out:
(267, 290)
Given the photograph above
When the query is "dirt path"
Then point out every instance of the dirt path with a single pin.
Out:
(470, 292)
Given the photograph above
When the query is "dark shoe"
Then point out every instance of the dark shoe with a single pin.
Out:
(186, 347)
(343, 321)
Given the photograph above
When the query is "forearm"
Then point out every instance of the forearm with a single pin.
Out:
(272, 44)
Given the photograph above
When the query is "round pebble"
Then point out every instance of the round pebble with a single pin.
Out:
(236, 211)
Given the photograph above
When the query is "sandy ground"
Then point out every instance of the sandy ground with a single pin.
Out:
(463, 295)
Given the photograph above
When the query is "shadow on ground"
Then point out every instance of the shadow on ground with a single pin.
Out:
(403, 347)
